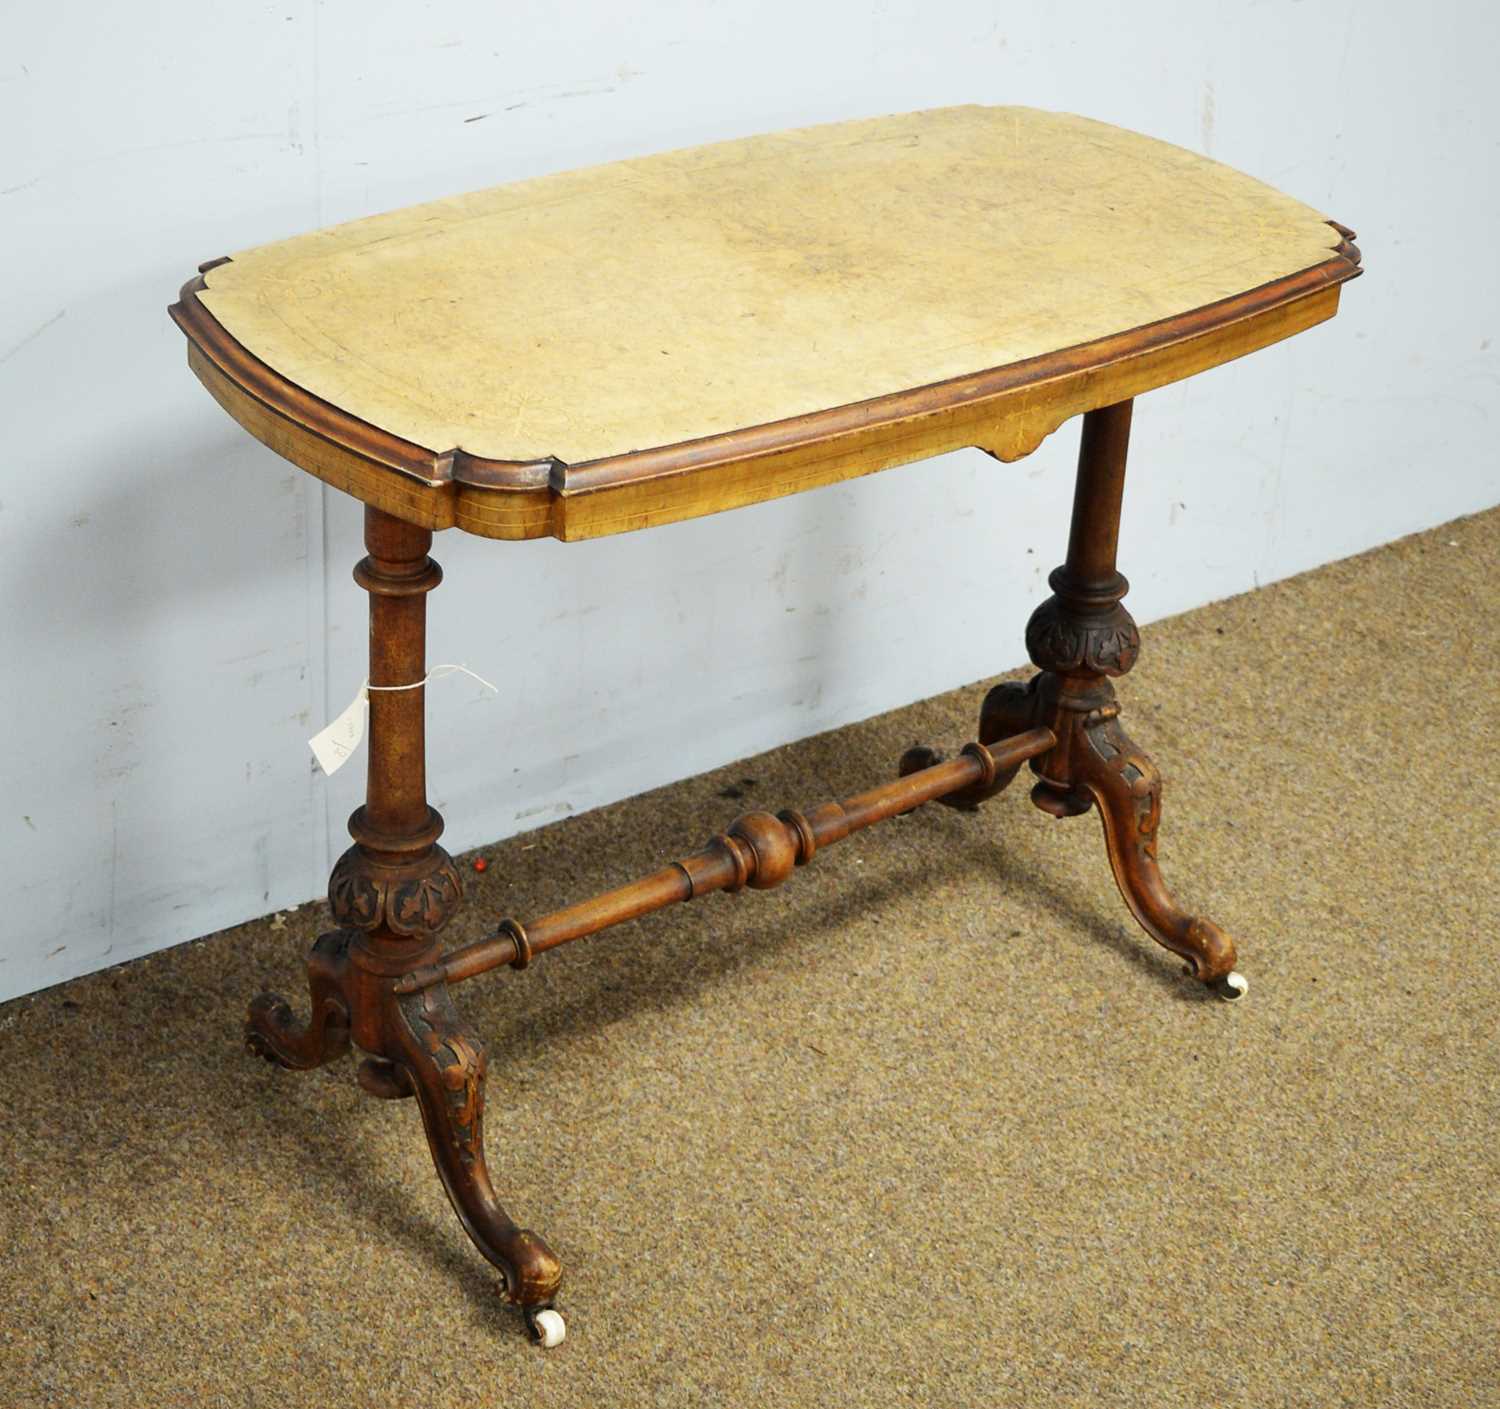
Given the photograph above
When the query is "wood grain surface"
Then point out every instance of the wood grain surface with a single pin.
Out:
(602, 350)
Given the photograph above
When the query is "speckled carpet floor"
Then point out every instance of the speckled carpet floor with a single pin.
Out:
(931, 1124)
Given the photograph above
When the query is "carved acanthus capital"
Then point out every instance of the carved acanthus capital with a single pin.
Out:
(416, 897)
(1067, 641)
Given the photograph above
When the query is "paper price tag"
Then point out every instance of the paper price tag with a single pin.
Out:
(333, 745)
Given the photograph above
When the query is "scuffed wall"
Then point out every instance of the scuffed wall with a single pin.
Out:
(178, 609)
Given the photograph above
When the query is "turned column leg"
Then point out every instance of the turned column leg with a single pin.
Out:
(391, 893)
(1080, 638)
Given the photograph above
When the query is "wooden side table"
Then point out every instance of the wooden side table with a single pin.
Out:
(605, 350)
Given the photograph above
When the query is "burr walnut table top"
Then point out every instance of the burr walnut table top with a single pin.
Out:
(602, 350)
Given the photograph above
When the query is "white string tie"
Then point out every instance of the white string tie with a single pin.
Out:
(437, 673)
(333, 745)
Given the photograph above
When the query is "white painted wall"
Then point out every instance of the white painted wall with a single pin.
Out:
(178, 613)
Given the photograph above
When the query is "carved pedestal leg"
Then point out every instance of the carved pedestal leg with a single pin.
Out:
(445, 1069)
(391, 893)
(1127, 787)
(1079, 638)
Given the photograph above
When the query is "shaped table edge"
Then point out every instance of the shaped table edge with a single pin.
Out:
(1006, 411)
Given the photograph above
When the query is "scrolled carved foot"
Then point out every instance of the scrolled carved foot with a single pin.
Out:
(1008, 709)
(273, 1033)
(921, 756)
(272, 1030)
(918, 757)
(446, 1069)
(1127, 787)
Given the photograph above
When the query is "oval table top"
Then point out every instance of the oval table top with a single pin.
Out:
(602, 350)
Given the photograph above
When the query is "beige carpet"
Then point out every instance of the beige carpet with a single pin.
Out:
(933, 1123)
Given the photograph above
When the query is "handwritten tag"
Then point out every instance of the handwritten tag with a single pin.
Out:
(333, 745)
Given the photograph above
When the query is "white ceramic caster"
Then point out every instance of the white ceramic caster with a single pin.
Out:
(1232, 987)
(548, 1326)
